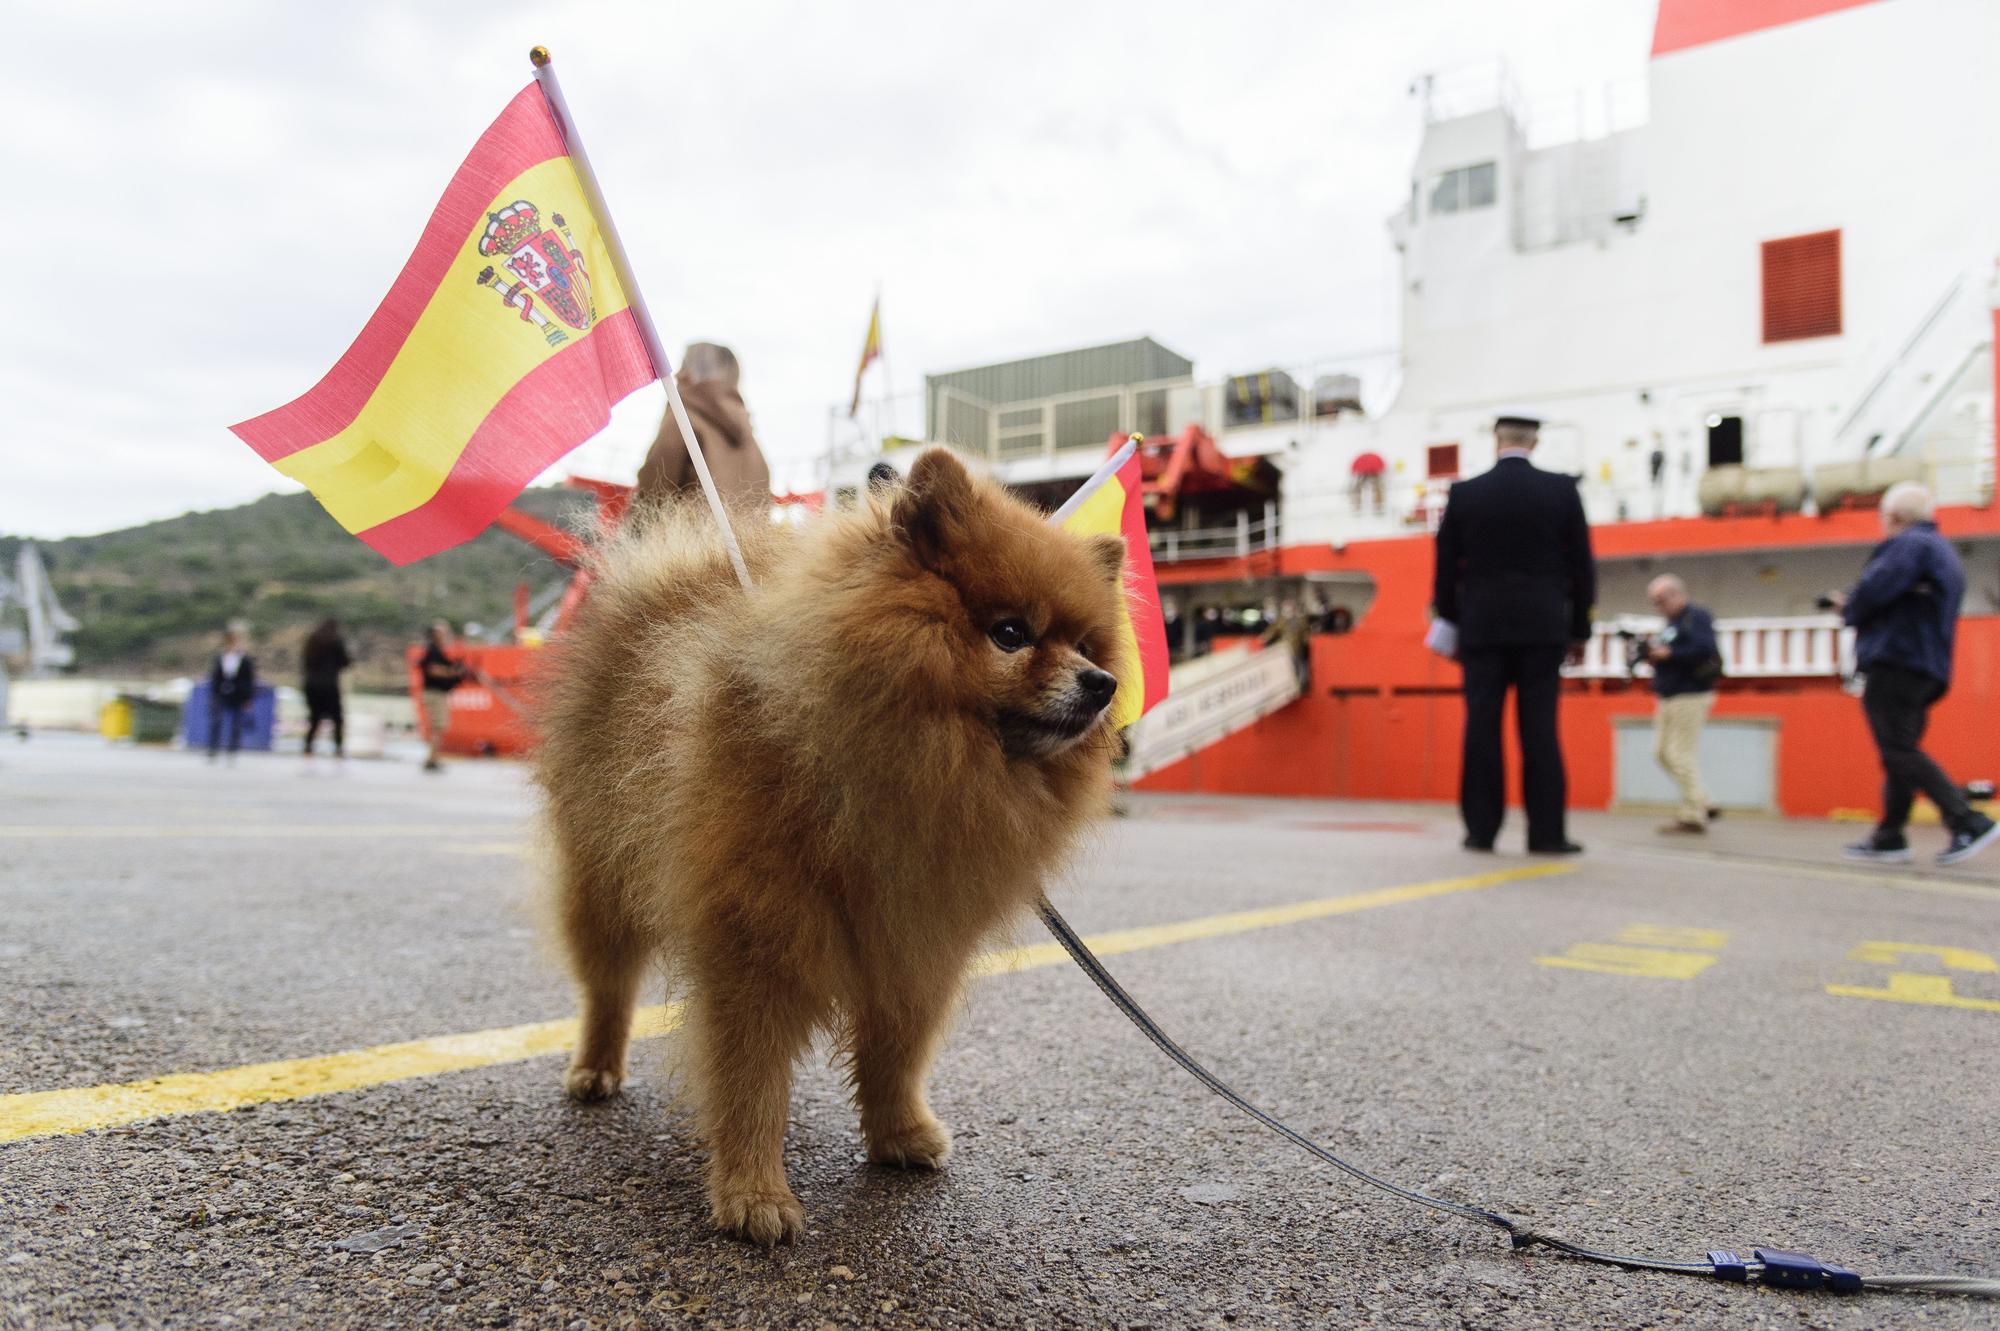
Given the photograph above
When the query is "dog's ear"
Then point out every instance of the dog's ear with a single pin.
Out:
(1108, 552)
(934, 506)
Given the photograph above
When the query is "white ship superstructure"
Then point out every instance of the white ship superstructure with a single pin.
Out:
(1788, 269)
(1775, 288)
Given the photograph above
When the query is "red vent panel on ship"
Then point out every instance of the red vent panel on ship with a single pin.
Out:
(1802, 287)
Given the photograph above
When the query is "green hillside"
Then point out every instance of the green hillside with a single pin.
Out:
(153, 599)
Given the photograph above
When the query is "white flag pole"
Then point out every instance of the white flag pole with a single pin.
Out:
(1097, 479)
(663, 366)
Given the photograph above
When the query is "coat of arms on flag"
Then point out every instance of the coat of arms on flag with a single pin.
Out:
(545, 268)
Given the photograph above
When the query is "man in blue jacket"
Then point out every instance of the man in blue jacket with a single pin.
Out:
(1904, 612)
(1686, 664)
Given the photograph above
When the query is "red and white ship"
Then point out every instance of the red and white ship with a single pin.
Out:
(1741, 320)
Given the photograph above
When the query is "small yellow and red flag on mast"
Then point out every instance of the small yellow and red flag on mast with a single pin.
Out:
(502, 345)
(1113, 502)
(871, 351)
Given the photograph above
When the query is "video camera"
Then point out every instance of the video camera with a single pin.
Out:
(1639, 642)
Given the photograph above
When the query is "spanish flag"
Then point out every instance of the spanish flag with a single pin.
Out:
(503, 344)
(871, 351)
(1118, 506)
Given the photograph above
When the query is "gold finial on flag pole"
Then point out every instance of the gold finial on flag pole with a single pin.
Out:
(663, 366)
(1105, 471)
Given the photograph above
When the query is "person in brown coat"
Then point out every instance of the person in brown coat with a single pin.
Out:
(707, 380)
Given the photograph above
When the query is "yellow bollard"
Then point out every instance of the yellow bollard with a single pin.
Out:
(114, 719)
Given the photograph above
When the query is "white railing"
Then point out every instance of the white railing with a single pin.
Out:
(1778, 647)
(1902, 392)
(1247, 536)
(1579, 114)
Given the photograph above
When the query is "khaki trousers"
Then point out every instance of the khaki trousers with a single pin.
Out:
(437, 708)
(1676, 737)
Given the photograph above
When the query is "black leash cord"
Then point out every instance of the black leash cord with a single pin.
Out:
(1787, 1270)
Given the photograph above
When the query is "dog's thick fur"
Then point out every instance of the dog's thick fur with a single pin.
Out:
(813, 801)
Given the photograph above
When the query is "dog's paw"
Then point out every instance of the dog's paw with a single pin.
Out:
(591, 1084)
(921, 1145)
(764, 1218)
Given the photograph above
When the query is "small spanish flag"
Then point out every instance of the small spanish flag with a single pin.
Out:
(1118, 506)
(502, 345)
(871, 351)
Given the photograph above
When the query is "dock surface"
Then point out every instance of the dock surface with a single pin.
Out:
(283, 1047)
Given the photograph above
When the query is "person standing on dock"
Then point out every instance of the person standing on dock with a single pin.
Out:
(232, 687)
(708, 380)
(1514, 584)
(324, 656)
(442, 673)
(1904, 612)
(1686, 664)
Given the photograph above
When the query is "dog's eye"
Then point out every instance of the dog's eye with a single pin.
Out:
(1010, 635)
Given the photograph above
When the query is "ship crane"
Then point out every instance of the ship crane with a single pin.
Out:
(31, 590)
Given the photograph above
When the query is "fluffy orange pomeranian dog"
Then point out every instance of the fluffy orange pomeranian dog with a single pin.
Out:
(812, 802)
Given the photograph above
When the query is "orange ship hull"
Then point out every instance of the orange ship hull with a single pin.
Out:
(1384, 718)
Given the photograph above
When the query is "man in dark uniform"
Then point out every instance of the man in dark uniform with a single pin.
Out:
(1515, 576)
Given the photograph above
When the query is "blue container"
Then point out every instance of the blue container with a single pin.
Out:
(260, 719)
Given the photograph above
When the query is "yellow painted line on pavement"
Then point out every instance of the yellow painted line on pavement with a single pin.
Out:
(1218, 926)
(1907, 987)
(54, 1113)
(1883, 952)
(1651, 963)
(1650, 951)
(1916, 986)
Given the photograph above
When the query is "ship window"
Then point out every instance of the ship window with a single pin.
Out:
(1466, 188)
(1802, 287)
(1441, 461)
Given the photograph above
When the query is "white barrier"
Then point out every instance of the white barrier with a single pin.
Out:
(1777, 647)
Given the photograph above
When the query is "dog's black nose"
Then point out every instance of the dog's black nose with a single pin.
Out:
(1097, 685)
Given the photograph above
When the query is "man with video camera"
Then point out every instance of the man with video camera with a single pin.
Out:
(1686, 664)
(1904, 611)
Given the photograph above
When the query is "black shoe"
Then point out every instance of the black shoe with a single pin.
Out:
(1969, 842)
(1474, 843)
(1558, 848)
(1880, 849)
(1714, 812)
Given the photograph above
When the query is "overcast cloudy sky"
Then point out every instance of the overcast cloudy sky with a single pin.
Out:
(207, 200)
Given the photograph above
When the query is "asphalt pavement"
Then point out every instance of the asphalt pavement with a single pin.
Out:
(338, 979)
